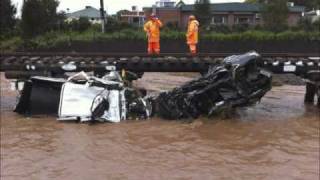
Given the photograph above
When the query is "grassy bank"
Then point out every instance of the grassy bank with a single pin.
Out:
(55, 39)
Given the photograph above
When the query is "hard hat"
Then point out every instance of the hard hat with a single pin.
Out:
(192, 17)
(152, 15)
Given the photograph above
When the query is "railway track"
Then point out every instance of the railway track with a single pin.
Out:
(21, 66)
(24, 65)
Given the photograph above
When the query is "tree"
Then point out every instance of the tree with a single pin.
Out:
(39, 16)
(275, 15)
(80, 24)
(61, 21)
(84, 23)
(7, 19)
(202, 11)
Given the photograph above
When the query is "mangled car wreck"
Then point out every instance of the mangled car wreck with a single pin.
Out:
(237, 81)
(84, 98)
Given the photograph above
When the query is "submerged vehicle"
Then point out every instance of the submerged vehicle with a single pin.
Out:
(237, 81)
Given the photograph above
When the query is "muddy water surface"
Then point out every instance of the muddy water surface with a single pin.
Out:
(276, 139)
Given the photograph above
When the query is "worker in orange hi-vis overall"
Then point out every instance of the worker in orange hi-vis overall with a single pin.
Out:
(192, 34)
(152, 28)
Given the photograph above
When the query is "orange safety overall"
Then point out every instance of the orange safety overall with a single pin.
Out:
(192, 36)
(152, 28)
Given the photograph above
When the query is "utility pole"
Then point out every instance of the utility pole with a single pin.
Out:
(103, 21)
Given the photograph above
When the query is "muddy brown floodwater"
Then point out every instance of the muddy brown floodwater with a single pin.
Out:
(276, 139)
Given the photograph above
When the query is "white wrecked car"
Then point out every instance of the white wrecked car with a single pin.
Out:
(84, 98)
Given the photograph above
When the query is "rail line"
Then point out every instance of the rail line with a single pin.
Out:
(89, 54)
(20, 65)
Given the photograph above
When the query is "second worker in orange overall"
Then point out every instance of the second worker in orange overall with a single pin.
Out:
(192, 34)
(152, 28)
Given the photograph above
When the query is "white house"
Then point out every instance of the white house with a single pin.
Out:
(90, 12)
(314, 15)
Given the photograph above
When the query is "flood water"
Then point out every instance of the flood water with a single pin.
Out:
(276, 139)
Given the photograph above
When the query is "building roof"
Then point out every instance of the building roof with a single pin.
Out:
(89, 12)
(238, 7)
(166, 8)
(297, 9)
(180, 3)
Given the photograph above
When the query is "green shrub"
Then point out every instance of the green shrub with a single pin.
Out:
(11, 44)
(240, 27)
(220, 29)
(173, 35)
(56, 38)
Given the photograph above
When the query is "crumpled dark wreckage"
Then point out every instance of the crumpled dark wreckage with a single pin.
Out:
(238, 81)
